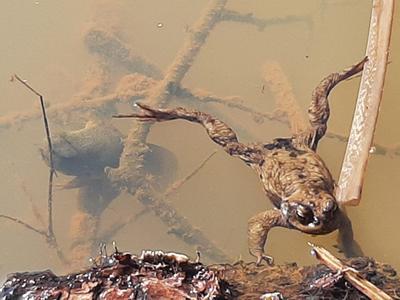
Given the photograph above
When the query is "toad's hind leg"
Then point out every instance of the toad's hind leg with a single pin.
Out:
(218, 131)
(318, 111)
(258, 229)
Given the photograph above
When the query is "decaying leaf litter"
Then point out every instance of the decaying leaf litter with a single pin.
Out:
(168, 275)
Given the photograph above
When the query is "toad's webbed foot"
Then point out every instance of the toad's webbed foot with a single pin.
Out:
(152, 114)
(258, 229)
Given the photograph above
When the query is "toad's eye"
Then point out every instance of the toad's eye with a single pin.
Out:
(329, 206)
(304, 214)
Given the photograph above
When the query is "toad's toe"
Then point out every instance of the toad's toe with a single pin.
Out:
(263, 257)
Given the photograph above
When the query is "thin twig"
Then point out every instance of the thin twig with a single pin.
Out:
(50, 236)
(177, 184)
(50, 204)
(46, 122)
(363, 285)
(50, 149)
(26, 225)
(35, 209)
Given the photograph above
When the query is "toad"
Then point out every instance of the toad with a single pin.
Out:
(293, 175)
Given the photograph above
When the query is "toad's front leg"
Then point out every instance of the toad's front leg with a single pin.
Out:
(258, 229)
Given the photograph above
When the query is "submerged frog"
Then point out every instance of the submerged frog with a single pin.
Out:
(293, 175)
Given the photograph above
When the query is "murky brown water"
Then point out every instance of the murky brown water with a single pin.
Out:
(43, 42)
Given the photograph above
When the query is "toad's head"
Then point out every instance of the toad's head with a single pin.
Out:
(310, 216)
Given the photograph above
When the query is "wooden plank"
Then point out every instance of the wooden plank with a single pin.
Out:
(367, 107)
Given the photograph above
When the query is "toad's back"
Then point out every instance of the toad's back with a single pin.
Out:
(290, 170)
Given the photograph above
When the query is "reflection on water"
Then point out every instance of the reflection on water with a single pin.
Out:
(80, 56)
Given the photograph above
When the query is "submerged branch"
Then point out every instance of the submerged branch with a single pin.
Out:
(130, 173)
(177, 223)
(112, 50)
(197, 96)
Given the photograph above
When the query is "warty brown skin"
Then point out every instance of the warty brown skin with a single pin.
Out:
(293, 175)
